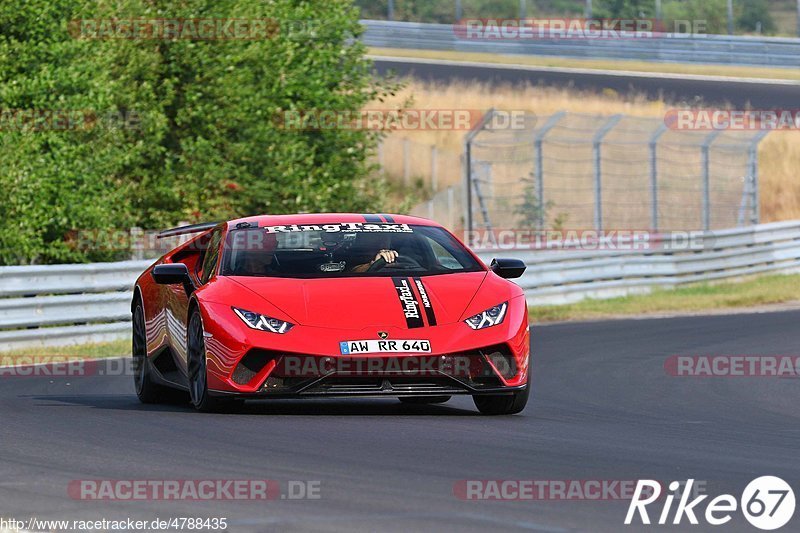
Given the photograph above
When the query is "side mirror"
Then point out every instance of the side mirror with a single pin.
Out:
(173, 274)
(508, 268)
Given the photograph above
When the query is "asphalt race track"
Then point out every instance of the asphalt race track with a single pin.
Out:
(603, 408)
(691, 90)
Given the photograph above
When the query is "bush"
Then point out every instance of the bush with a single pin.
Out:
(754, 12)
(205, 146)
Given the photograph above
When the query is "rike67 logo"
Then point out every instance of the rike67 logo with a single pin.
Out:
(767, 503)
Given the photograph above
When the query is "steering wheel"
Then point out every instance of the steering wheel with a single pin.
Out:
(403, 262)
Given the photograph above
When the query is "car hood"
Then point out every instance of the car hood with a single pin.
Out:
(356, 303)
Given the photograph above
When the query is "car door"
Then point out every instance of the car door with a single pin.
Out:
(202, 267)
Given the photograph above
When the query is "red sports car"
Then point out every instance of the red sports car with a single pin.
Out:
(330, 305)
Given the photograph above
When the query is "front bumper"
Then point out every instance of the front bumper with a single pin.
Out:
(305, 362)
(333, 386)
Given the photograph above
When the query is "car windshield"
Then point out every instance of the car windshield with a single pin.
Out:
(344, 250)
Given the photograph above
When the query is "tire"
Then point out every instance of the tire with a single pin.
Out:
(198, 372)
(424, 400)
(503, 404)
(147, 390)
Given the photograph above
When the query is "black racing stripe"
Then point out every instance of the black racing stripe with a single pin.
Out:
(389, 218)
(426, 302)
(408, 302)
(372, 218)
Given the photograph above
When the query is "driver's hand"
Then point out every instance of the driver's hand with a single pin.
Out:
(390, 256)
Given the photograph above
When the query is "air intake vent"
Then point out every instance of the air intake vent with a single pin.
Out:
(502, 359)
(250, 365)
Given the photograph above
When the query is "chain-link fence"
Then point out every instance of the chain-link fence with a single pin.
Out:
(411, 161)
(572, 170)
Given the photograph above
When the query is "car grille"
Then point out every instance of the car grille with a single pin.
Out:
(439, 374)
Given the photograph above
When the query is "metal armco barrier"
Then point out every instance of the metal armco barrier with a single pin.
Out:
(558, 277)
(75, 304)
(58, 305)
(723, 49)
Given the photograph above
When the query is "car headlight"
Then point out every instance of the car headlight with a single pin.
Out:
(263, 322)
(491, 317)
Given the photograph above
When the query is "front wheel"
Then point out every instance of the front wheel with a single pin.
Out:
(198, 372)
(503, 404)
(146, 389)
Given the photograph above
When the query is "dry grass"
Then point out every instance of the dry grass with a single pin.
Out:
(78, 351)
(779, 158)
(535, 99)
(779, 154)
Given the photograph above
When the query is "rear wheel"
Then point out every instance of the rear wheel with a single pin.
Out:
(503, 404)
(146, 389)
(198, 372)
(424, 399)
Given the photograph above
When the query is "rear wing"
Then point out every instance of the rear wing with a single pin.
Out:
(186, 230)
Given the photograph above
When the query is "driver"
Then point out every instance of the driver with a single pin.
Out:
(260, 260)
(379, 241)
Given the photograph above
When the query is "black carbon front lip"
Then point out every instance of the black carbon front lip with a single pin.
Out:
(338, 385)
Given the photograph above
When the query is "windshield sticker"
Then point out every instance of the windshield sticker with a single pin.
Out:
(358, 227)
(332, 267)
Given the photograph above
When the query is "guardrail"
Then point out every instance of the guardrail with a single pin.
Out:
(57, 305)
(556, 277)
(723, 49)
(75, 304)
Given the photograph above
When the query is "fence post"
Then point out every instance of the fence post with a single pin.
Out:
(709, 140)
(730, 17)
(468, 167)
(538, 141)
(137, 243)
(598, 173)
(754, 176)
(390, 11)
(662, 128)
(434, 169)
(406, 162)
(450, 206)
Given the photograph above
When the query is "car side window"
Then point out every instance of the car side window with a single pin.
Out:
(210, 256)
(443, 257)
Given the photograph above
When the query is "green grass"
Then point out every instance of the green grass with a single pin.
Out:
(597, 64)
(699, 298)
(83, 351)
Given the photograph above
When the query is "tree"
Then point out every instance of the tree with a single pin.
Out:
(206, 143)
(753, 13)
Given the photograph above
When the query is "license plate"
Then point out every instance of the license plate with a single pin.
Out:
(393, 346)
